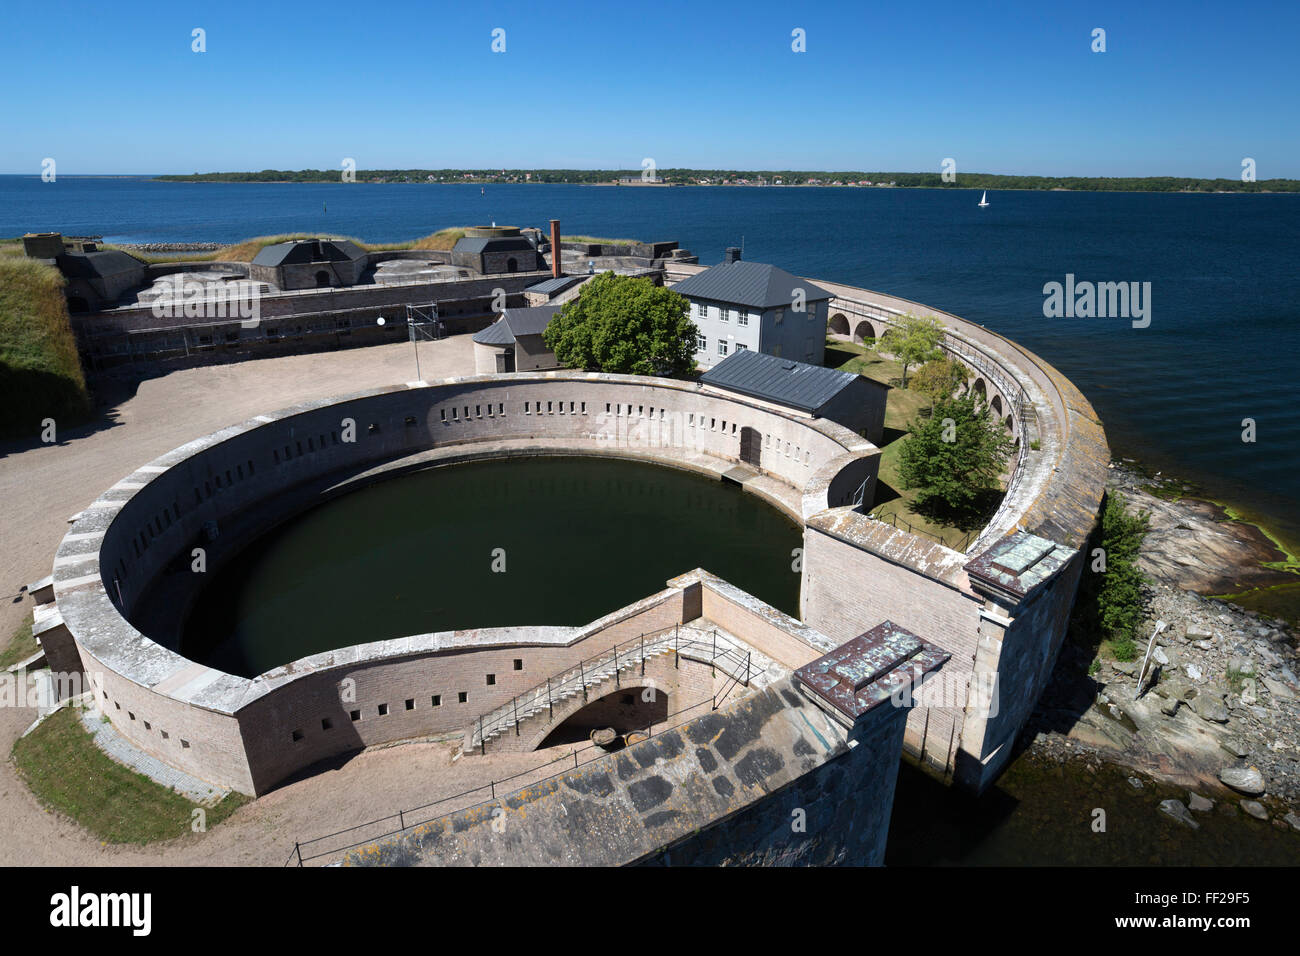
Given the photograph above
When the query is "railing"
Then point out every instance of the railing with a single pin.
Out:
(306, 851)
(904, 525)
(715, 649)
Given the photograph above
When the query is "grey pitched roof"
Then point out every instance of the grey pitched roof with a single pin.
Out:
(492, 244)
(552, 286)
(752, 284)
(781, 380)
(530, 321)
(300, 251)
(498, 333)
(516, 322)
(90, 265)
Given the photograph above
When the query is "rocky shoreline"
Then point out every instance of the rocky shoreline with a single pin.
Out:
(1219, 708)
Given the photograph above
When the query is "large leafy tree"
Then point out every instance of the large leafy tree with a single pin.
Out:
(913, 341)
(939, 378)
(625, 325)
(954, 457)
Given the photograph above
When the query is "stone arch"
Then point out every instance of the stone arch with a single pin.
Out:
(322, 279)
(634, 706)
(838, 325)
(980, 390)
(1009, 425)
(862, 331)
(995, 403)
(512, 265)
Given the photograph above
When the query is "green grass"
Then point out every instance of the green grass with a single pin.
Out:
(596, 240)
(901, 407)
(20, 647)
(40, 371)
(247, 249)
(68, 773)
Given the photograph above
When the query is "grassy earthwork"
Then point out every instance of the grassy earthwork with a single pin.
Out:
(903, 406)
(69, 774)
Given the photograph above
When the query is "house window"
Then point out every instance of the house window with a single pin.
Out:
(741, 347)
(779, 315)
(701, 343)
(722, 346)
(742, 319)
(724, 315)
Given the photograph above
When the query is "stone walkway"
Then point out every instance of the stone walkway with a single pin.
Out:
(116, 747)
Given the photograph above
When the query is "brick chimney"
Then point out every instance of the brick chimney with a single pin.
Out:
(555, 249)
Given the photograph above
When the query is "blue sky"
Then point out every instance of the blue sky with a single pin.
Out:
(1183, 88)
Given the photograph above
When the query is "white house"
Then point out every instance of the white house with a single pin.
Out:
(739, 305)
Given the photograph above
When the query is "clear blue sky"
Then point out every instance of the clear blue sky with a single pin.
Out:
(1184, 88)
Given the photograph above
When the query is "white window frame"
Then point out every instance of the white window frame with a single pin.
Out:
(722, 347)
(701, 343)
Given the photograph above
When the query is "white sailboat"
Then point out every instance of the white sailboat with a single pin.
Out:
(984, 199)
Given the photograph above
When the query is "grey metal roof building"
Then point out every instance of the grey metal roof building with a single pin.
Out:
(552, 287)
(808, 388)
(301, 251)
(755, 285)
(515, 323)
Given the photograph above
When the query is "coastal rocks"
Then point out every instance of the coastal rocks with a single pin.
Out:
(1245, 780)
(1179, 812)
(1255, 809)
(1210, 707)
(1293, 819)
(1199, 803)
(1277, 688)
(1194, 672)
(1135, 783)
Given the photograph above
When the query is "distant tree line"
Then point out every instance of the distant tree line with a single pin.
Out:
(749, 177)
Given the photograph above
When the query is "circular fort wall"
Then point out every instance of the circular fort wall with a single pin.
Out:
(217, 492)
(250, 734)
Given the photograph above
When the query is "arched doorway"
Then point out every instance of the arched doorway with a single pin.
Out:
(626, 709)
(322, 279)
(512, 265)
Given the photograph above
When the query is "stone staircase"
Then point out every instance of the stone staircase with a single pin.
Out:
(592, 676)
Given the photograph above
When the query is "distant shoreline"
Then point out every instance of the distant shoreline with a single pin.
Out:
(754, 179)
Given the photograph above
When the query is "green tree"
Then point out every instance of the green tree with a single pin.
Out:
(913, 341)
(1119, 588)
(939, 378)
(624, 325)
(954, 458)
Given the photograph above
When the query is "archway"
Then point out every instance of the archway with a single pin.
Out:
(995, 403)
(862, 332)
(512, 265)
(838, 325)
(322, 279)
(980, 391)
(626, 709)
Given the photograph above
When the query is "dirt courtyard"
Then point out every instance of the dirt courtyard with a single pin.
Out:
(41, 486)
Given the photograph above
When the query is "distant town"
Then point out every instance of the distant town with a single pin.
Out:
(953, 179)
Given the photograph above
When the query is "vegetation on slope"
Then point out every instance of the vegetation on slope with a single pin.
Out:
(40, 371)
(69, 773)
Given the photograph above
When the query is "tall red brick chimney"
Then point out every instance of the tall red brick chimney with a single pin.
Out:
(555, 248)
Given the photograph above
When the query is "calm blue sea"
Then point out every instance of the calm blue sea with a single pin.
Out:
(1225, 279)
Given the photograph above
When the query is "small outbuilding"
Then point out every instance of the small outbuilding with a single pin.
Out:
(491, 250)
(310, 264)
(852, 400)
(513, 343)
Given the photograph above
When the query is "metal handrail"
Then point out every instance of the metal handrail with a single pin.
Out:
(406, 819)
(506, 716)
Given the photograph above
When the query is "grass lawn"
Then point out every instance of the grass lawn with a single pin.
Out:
(68, 773)
(902, 406)
(20, 647)
(40, 372)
